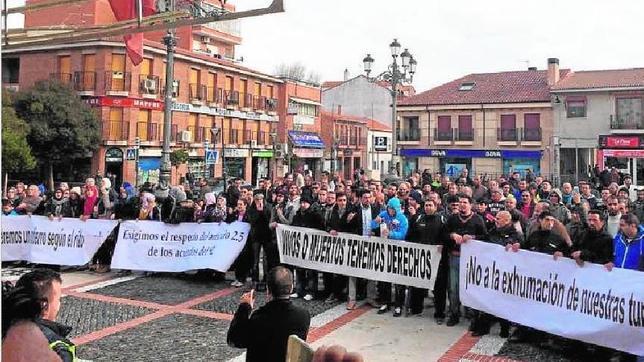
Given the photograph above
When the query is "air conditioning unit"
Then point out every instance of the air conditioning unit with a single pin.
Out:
(185, 136)
(279, 154)
(117, 75)
(149, 85)
(281, 147)
(205, 40)
(253, 143)
(175, 88)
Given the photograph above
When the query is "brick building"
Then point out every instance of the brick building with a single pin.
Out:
(210, 91)
(345, 137)
(489, 123)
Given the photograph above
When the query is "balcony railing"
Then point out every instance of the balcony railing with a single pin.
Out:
(234, 136)
(263, 138)
(464, 134)
(620, 123)
(148, 131)
(214, 95)
(409, 134)
(447, 135)
(118, 81)
(198, 92)
(85, 81)
(259, 103)
(149, 84)
(271, 104)
(64, 78)
(507, 134)
(531, 134)
(116, 130)
(201, 134)
(247, 101)
(231, 97)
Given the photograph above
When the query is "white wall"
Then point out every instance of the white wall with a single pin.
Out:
(359, 97)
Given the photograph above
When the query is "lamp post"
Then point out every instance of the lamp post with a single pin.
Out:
(273, 136)
(396, 74)
(206, 171)
(170, 42)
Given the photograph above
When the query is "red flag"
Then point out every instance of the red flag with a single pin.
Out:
(125, 10)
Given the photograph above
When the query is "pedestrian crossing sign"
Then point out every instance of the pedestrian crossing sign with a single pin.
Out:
(211, 157)
(131, 154)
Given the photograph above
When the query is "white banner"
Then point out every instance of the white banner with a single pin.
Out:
(59, 242)
(586, 303)
(371, 258)
(160, 247)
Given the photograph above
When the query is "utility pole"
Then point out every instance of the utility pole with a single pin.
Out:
(170, 42)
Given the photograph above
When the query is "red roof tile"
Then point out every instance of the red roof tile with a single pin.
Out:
(374, 125)
(591, 79)
(331, 84)
(502, 87)
(370, 123)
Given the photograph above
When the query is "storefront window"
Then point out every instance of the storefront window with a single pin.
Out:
(410, 165)
(521, 165)
(235, 167)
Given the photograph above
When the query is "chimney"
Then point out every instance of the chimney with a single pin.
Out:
(553, 71)
(346, 74)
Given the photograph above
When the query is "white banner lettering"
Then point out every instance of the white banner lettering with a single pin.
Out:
(586, 303)
(359, 256)
(60, 242)
(160, 247)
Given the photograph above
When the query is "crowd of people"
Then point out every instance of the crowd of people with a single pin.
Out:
(596, 222)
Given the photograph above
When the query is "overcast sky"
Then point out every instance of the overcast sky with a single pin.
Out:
(448, 38)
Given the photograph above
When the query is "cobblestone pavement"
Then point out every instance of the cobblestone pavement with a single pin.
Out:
(177, 317)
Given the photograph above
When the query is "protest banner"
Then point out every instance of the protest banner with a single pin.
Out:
(372, 258)
(160, 247)
(586, 303)
(64, 241)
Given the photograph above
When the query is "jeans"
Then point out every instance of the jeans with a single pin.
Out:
(454, 300)
(372, 294)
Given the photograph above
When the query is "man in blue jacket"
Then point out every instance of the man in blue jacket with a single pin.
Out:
(396, 229)
(628, 244)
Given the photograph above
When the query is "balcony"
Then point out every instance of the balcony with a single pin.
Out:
(409, 134)
(507, 135)
(530, 134)
(198, 93)
(259, 103)
(200, 134)
(149, 85)
(247, 101)
(443, 136)
(64, 78)
(148, 132)
(263, 138)
(626, 124)
(466, 135)
(231, 98)
(114, 130)
(118, 82)
(214, 95)
(85, 81)
(271, 104)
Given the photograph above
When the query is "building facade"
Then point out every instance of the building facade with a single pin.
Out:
(489, 123)
(599, 120)
(379, 149)
(346, 140)
(216, 101)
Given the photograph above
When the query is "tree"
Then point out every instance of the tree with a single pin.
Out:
(179, 156)
(297, 71)
(16, 153)
(62, 127)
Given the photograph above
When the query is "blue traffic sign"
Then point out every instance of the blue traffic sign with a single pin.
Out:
(211, 157)
(131, 154)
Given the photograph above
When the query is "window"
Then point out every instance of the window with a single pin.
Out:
(466, 86)
(192, 126)
(88, 76)
(409, 130)
(64, 64)
(116, 128)
(630, 114)
(212, 85)
(465, 131)
(508, 131)
(10, 70)
(444, 129)
(307, 109)
(195, 75)
(532, 125)
(142, 126)
(575, 107)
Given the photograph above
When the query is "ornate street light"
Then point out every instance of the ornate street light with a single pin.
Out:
(395, 76)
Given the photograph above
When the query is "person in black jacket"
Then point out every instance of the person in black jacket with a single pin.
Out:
(544, 240)
(259, 214)
(243, 262)
(264, 332)
(425, 228)
(595, 244)
(341, 219)
(308, 217)
(504, 234)
(58, 206)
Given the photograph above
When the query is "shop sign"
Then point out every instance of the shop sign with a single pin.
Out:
(114, 155)
(380, 143)
(235, 153)
(308, 153)
(222, 112)
(456, 153)
(622, 141)
(347, 153)
(125, 102)
(265, 154)
(624, 153)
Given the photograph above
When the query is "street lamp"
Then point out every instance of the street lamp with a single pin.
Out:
(396, 74)
(206, 171)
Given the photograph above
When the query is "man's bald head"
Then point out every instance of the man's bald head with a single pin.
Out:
(280, 282)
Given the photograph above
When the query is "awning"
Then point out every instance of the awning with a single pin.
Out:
(305, 139)
(304, 101)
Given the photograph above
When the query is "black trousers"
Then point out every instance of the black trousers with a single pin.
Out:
(384, 292)
(483, 321)
(440, 287)
(104, 254)
(334, 284)
(243, 262)
(271, 257)
(416, 299)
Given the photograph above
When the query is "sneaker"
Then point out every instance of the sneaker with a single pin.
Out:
(452, 321)
(397, 312)
(308, 297)
(295, 295)
(383, 309)
(351, 305)
(236, 284)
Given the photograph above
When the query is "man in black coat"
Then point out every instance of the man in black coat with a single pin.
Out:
(341, 219)
(308, 217)
(259, 214)
(595, 244)
(265, 332)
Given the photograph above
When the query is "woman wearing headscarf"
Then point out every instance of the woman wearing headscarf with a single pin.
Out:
(215, 209)
(90, 199)
(149, 209)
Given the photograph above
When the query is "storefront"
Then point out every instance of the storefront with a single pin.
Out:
(451, 162)
(624, 152)
(308, 152)
(149, 170)
(114, 164)
(235, 161)
(261, 165)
